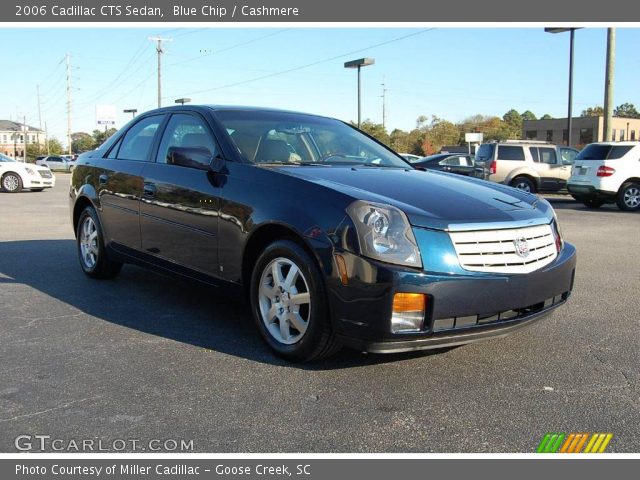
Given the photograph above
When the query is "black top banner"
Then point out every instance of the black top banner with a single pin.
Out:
(218, 11)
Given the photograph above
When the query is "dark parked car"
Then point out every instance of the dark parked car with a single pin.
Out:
(450, 162)
(336, 239)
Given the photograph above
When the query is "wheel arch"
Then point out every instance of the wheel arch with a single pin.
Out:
(629, 180)
(267, 233)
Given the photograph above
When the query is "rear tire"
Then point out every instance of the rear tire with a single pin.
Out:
(289, 303)
(592, 203)
(628, 198)
(92, 254)
(524, 184)
(11, 183)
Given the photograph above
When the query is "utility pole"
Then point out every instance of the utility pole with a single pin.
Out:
(39, 117)
(384, 103)
(608, 83)
(25, 133)
(159, 51)
(46, 137)
(68, 60)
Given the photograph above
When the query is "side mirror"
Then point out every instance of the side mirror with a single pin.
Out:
(190, 157)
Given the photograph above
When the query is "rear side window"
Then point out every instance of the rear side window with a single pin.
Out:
(619, 152)
(548, 155)
(485, 152)
(136, 144)
(603, 152)
(508, 152)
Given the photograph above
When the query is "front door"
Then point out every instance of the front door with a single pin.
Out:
(179, 208)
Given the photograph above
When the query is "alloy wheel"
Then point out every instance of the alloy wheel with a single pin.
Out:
(285, 301)
(632, 197)
(10, 183)
(524, 186)
(89, 243)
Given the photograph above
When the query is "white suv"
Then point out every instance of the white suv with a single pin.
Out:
(605, 173)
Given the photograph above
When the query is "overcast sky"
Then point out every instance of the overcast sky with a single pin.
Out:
(451, 73)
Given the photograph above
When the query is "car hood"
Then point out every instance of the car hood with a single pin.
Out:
(432, 199)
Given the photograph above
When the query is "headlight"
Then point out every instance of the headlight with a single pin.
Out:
(30, 171)
(384, 233)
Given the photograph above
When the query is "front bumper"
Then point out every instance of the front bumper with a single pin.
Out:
(463, 306)
(32, 181)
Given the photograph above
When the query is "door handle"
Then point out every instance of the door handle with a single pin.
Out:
(103, 179)
(149, 190)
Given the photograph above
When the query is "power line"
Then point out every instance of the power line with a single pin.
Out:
(307, 65)
(226, 49)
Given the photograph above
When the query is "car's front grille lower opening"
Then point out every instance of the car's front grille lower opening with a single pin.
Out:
(457, 323)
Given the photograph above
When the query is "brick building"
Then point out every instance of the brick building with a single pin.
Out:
(583, 130)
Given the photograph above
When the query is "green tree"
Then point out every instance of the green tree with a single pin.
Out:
(596, 111)
(626, 110)
(100, 136)
(546, 116)
(55, 147)
(513, 121)
(82, 142)
(439, 133)
(528, 115)
(376, 130)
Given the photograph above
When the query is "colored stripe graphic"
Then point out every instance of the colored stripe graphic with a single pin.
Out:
(550, 443)
(574, 442)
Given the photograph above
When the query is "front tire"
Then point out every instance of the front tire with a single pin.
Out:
(91, 250)
(629, 197)
(11, 183)
(289, 305)
(524, 184)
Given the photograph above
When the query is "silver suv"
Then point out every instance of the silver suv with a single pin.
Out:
(529, 165)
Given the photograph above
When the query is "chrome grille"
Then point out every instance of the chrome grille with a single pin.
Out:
(44, 173)
(495, 250)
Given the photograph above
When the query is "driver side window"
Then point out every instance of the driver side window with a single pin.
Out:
(188, 131)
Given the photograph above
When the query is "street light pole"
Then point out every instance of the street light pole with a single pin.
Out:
(569, 109)
(570, 101)
(361, 62)
(608, 83)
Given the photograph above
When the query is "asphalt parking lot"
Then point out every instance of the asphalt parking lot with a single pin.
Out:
(148, 357)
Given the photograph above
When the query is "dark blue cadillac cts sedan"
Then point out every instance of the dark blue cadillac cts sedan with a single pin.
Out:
(334, 237)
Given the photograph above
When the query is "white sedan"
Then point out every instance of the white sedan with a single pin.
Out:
(57, 162)
(15, 176)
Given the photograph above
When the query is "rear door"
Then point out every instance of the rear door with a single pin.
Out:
(553, 174)
(179, 207)
(120, 182)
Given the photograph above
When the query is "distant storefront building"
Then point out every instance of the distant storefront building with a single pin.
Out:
(13, 141)
(583, 130)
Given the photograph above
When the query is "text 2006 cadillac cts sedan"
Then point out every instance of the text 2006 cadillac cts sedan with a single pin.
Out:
(336, 239)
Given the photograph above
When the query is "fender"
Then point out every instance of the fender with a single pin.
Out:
(529, 172)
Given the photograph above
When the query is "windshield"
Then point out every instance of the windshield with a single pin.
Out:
(603, 152)
(4, 158)
(297, 139)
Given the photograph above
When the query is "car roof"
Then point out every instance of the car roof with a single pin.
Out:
(613, 144)
(239, 108)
